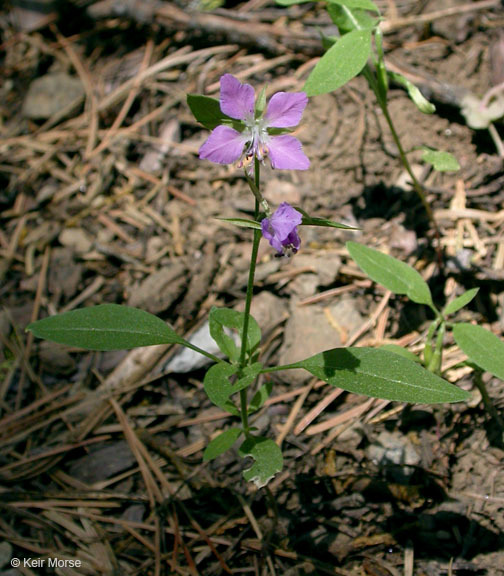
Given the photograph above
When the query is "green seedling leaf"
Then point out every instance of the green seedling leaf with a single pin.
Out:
(242, 223)
(340, 63)
(347, 20)
(440, 160)
(219, 387)
(268, 460)
(482, 346)
(380, 374)
(207, 111)
(395, 275)
(221, 443)
(459, 302)
(221, 318)
(106, 327)
(404, 352)
(260, 397)
(413, 92)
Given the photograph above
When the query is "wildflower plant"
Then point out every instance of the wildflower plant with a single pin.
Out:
(248, 131)
(359, 50)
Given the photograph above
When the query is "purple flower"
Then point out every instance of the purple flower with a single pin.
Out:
(281, 229)
(226, 145)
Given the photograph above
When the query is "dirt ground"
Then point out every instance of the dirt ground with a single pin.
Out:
(103, 199)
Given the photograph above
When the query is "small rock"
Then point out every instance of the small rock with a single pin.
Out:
(65, 274)
(311, 329)
(187, 360)
(77, 239)
(55, 358)
(393, 448)
(103, 463)
(267, 309)
(159, 290)
(51, 94)
(5, 553)
(278, 191)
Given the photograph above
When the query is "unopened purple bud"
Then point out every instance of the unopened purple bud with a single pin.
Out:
(281, 229)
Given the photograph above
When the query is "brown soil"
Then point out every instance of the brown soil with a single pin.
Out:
(103, 199)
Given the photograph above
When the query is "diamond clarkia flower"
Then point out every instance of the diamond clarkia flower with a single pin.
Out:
(280, 229)
(256, 136)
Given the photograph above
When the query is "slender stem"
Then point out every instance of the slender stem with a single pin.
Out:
(203, 352)
(404, 159)
(487, 401)
(248, 301)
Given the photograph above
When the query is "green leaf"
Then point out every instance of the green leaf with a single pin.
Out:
(221, 443)
(340, 63)
(395, 275)
(347, 20)
(242, 223)
(352, 4)
(394, 348)
(309, 221)
(220, 318)
(268, 460)
(482, 346)
(106, 327)
(459, 302)
(380, 374)
(260, 397)
(219, 387)
(440, 160)
(413, 92)
(359, 4)
(207, 111)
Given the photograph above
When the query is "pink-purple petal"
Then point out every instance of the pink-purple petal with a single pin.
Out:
(280, 229)
(223, 146)
(285, 109)
(236, 99)
(285, 153)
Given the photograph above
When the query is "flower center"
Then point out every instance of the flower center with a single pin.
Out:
(257, 138)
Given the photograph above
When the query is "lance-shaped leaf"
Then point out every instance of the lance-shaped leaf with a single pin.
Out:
(395, 275)
(242, 223)
(459, 302)
(340, 63)
(106, 327)
(221, 443)
(380, 374)
(482, 346)
(268, 460)
(310, 221)
(396, 349)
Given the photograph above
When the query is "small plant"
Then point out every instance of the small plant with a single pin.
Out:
(484, 349)
(250, 131)
(351, 54)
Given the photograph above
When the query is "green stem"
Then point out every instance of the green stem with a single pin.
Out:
(203, 352)
(248, 300)
(405, 162)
